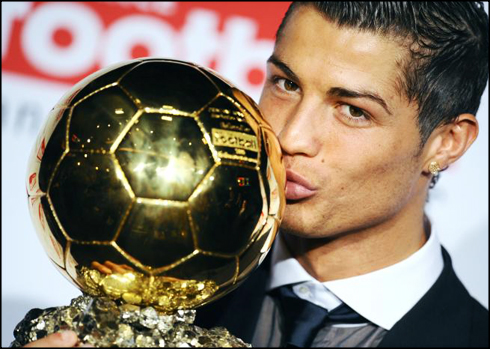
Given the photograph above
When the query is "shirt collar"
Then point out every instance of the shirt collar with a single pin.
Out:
(383, 296)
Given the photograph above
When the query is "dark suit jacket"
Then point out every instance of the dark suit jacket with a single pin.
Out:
(446, 316)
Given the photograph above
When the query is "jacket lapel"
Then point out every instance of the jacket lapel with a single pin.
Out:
(440, 318)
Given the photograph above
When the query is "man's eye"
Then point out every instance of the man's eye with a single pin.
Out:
(290, 86)
(355, 112)
(354, 115)
(352, 111)
(286, 85)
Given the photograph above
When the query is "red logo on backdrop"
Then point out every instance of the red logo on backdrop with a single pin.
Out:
(66, 41)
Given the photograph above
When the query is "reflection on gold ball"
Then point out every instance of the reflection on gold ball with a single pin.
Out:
(156, 182)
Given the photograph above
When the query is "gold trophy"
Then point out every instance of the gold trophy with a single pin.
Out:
(155, 187)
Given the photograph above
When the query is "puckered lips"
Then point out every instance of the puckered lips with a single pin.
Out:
(298, 187)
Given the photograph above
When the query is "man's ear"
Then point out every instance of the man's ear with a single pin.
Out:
(449, 142)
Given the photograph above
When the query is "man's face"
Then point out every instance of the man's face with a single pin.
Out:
(350, 139)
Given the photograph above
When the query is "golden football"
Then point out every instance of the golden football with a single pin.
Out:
(156, 182)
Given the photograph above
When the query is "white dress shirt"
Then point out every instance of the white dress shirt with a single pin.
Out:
(383, 296)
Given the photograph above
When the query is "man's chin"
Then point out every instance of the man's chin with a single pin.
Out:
(298, 221)
(302, 228)
(294, 229)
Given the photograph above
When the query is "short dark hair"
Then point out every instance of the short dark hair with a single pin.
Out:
(447, 67)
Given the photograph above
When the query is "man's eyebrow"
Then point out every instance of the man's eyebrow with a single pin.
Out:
(283, 66)
(342, 92)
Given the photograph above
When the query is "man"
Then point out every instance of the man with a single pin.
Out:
(370, 101)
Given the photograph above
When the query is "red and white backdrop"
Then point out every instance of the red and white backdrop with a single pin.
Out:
(49, 46)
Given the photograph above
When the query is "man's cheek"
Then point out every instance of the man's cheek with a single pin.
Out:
(276, 122)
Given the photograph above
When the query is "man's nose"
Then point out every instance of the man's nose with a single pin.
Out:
(300, 133)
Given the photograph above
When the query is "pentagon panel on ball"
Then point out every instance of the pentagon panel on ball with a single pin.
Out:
(156, 182)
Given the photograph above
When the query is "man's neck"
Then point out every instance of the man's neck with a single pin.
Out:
(360, 252)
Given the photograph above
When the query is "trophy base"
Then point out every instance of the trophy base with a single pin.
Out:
(102, 322)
